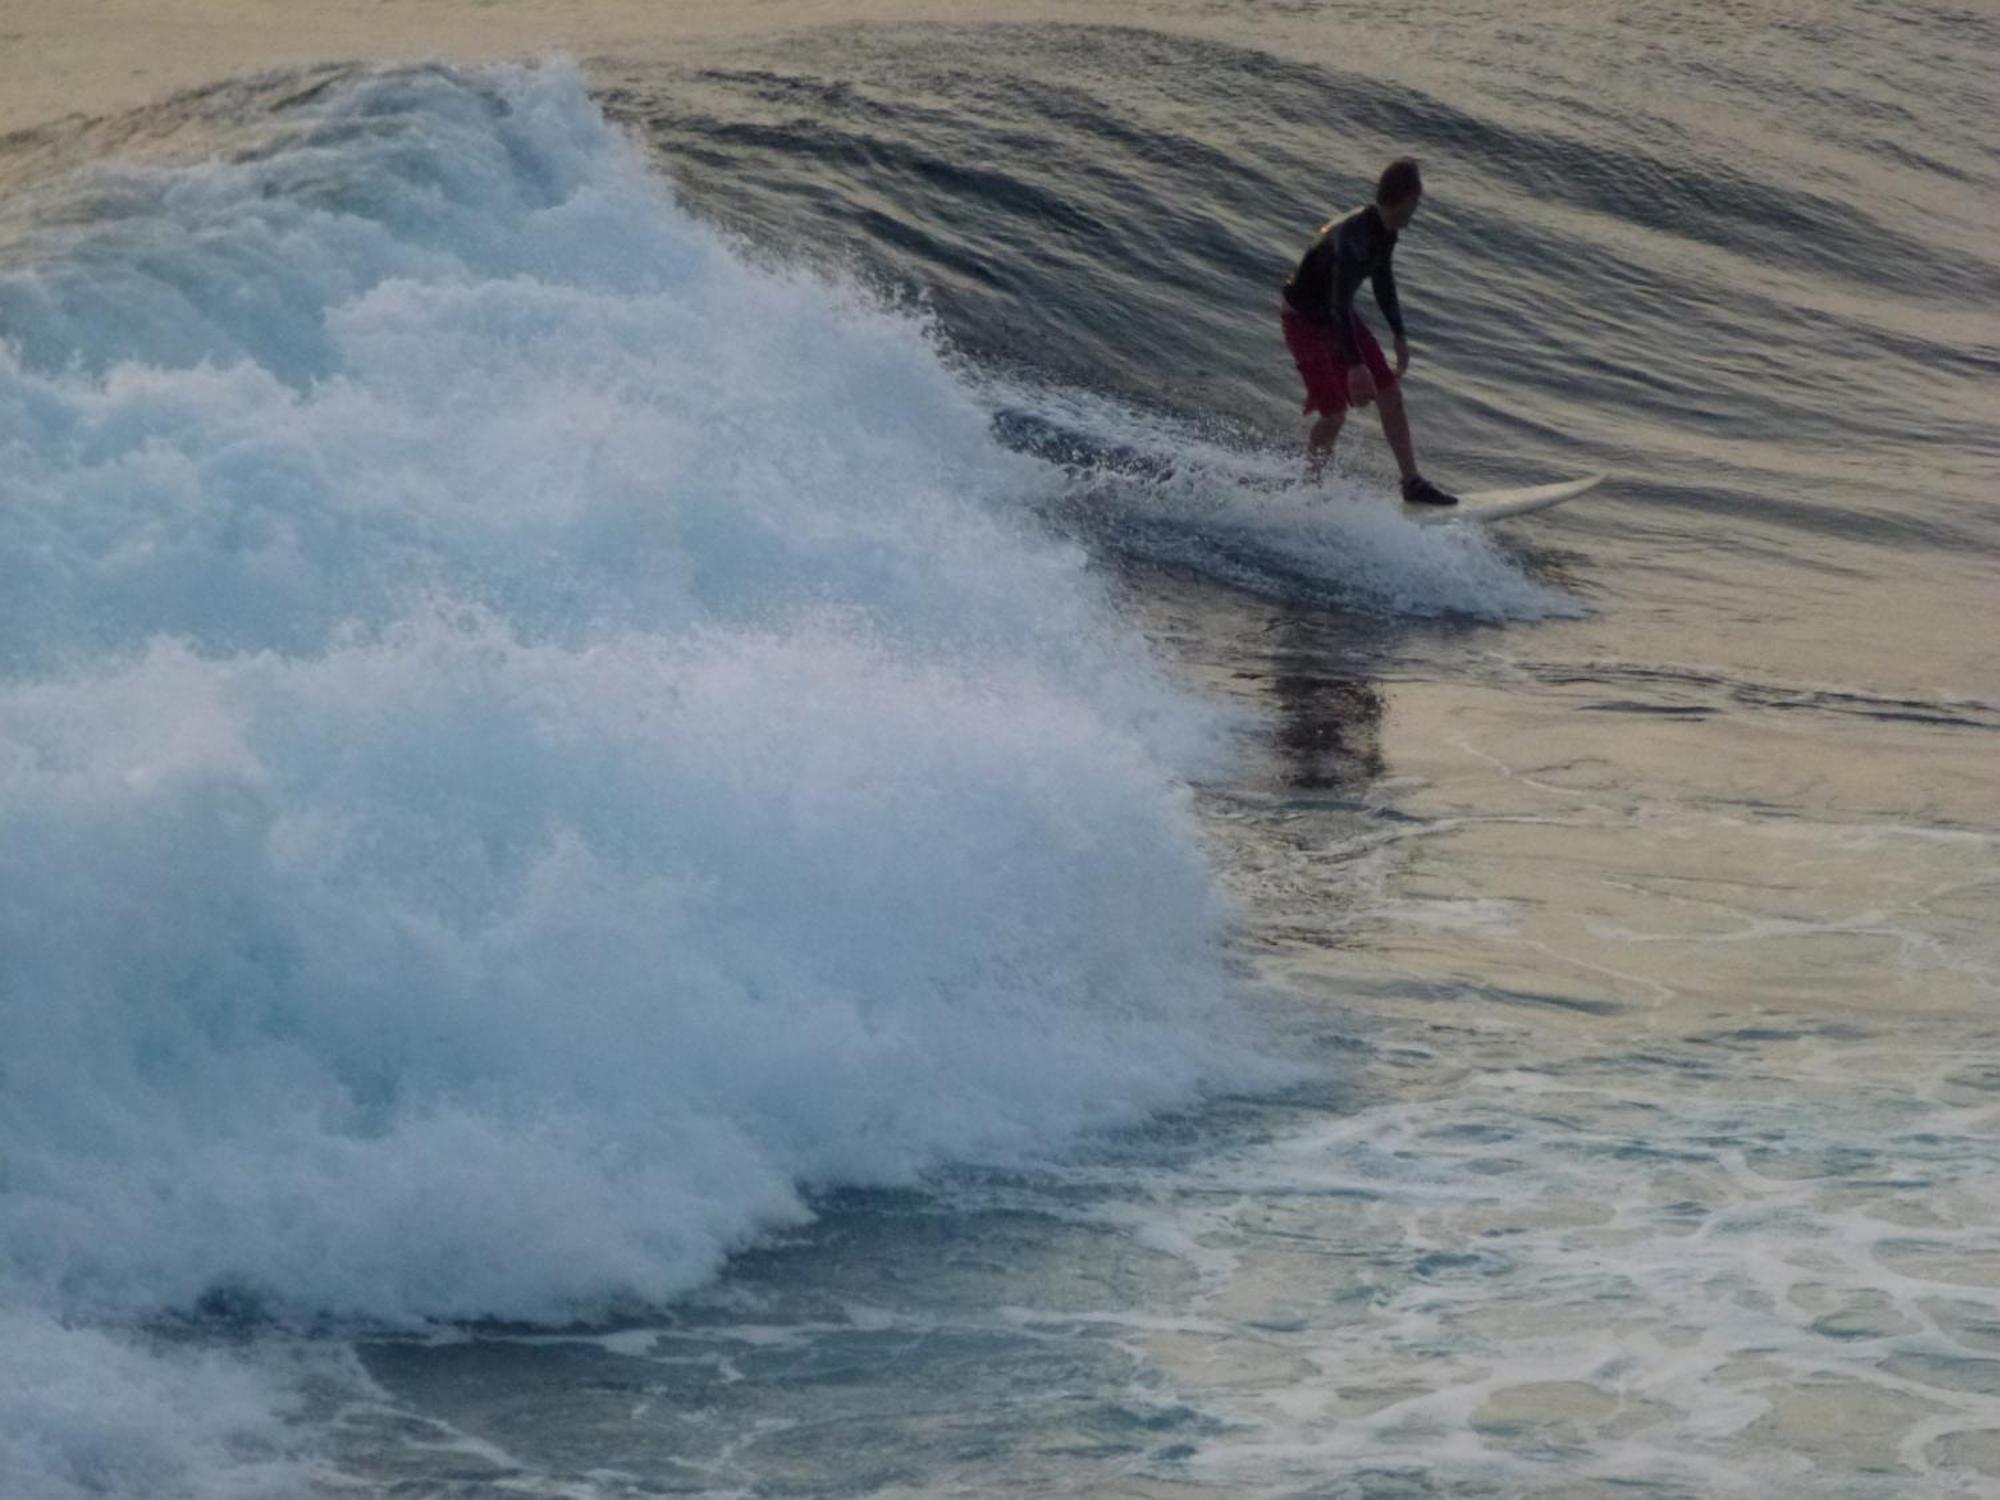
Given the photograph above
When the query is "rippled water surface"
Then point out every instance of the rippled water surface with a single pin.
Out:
(692, 806)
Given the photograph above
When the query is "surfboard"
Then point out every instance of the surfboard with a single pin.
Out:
(1491, 505)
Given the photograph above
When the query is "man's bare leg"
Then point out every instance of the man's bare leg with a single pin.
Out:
(1319, 445)
(1396, 428)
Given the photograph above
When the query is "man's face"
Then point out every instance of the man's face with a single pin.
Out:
(1398, 215)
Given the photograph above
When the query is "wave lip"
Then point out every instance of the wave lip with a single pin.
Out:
(530, 744)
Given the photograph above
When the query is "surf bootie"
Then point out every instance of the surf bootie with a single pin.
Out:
(1418, 490)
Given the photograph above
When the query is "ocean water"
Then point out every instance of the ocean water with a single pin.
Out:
(689, 803)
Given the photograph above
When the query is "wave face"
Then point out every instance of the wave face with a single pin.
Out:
(1684, 288)
(526, 741)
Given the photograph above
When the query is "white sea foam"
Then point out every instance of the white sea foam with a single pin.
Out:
(525, 742)
(1238, 512)
(526, 730)
(85, 1414)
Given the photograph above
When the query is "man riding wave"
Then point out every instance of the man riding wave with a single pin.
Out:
(1337, 356)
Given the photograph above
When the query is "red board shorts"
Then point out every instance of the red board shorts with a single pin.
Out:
(1322, 368)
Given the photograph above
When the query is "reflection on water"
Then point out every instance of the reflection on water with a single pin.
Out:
(1327, 725)
(1607, 1183)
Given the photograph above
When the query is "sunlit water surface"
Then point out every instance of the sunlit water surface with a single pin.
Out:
(644, 707)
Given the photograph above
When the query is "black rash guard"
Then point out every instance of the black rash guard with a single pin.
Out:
(1348, 252)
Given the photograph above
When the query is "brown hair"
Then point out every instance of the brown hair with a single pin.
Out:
(1399, 181)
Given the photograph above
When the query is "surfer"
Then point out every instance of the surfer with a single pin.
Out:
(1337, 356)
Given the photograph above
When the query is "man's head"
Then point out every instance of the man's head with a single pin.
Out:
(1398, 191)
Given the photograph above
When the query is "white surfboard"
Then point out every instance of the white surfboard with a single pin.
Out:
(1491, 505)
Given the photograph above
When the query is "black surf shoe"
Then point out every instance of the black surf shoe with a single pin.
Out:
(1418, 490)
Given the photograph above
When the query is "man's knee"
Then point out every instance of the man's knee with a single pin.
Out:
(1389, 398)
(1327, 428)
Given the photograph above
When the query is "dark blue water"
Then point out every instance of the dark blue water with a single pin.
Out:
(759, 844)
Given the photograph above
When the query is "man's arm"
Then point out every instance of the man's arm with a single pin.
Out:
(1384, 283)
(1360, 255)
(1392, 310)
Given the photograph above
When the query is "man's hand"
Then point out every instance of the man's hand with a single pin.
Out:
(1360, 386)
(1402, 356)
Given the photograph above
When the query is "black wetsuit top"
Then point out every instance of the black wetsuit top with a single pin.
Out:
(1348, 252)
